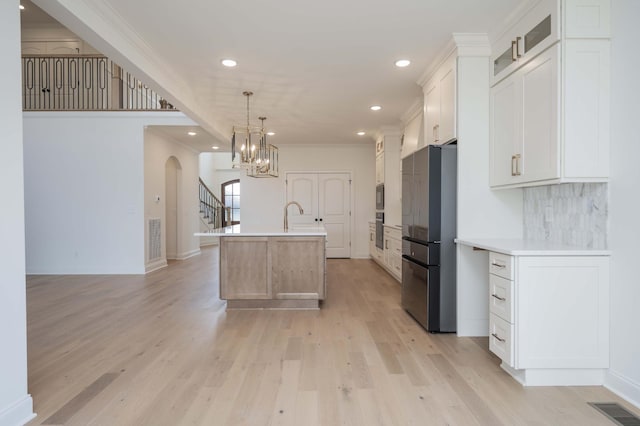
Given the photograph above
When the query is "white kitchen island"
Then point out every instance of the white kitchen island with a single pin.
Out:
(269, 268)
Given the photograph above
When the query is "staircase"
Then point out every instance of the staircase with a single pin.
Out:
(213, 213)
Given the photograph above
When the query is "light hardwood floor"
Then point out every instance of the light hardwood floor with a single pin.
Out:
(161, 350)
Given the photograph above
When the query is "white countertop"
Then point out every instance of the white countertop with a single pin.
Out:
(265, 231)
(520, 247)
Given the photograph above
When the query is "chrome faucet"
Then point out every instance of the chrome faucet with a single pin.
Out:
(286, 213)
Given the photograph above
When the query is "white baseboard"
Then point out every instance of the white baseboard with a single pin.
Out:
(622, 386)
(19, 413)
(154, 266)
(188, 254)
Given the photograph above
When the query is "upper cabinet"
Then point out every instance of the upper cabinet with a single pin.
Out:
(532, 34)
(550, 106)
(388, 172)
(440, 104)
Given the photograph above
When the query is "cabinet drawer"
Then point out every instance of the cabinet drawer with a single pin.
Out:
(501, 265)
(501, 339)
(500, 297)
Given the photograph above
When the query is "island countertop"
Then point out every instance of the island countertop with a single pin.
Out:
(265, 231)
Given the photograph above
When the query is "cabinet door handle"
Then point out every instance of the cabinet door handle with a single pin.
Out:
(498, 337)
(436, 132)
(498, 265)
(513, 169)
(386, 244)
(502, 299)
(513, 51)
(518, 54)
(517, 164)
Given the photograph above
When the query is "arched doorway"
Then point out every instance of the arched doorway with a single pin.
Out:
(173, 178)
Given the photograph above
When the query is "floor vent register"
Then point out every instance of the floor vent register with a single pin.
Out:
(617, 413)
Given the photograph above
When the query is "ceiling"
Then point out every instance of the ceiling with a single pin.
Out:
(315, 67)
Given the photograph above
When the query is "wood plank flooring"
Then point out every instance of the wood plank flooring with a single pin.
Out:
(161, 350)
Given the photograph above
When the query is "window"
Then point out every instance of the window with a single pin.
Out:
(231, 198)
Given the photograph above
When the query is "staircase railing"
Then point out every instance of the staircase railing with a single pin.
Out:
(212, 208)
(83, 83)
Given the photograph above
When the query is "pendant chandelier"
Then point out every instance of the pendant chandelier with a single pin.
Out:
(260, 160)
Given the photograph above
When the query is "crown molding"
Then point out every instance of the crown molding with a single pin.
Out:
(461, 44)
(441, 56)
(472, 44)
(413, 111)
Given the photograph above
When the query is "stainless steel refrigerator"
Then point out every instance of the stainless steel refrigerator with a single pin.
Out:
(428, 230)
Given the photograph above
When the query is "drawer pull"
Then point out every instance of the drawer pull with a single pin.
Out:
(502, 299)
(498, 265)
(498, 337)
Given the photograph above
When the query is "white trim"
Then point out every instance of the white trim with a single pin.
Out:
(462, 44)
(188, 254)
(622, 386)
(154, 266)
(440, 58)
(472, 44)
(182, 119)
(18, 413)
(413, 111)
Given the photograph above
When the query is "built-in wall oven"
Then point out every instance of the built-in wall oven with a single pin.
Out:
(380, 230)
(380, 197)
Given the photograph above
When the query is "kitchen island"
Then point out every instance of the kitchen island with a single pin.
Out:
(268, 268)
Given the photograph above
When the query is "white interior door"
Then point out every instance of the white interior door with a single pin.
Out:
(334, 209)
(326, 199)
(303, 188)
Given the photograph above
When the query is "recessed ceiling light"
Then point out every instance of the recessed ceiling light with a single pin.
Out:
(401, 63)
(361, 133)
(229, 63)
(376, 108)
(21, 7)
(215, 147)
(191, 133)
(271, 133)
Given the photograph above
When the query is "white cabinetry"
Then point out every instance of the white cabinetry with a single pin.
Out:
(440, 104)
(550, 107)
(393, 251)
(388, 173)
(549, 317)
(524, 123)
(390, 257)
(372, 240)
(538, 29)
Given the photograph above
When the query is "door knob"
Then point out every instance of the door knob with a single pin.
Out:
(316, 219)
(320, 219)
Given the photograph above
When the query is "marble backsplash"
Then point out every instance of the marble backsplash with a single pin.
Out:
(573, 213)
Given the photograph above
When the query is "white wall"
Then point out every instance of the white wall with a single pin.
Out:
(215, 168)
(158, 148)
(15, 403)
(482, 213)
(624, 223)
(84, 190)
(262, 200)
